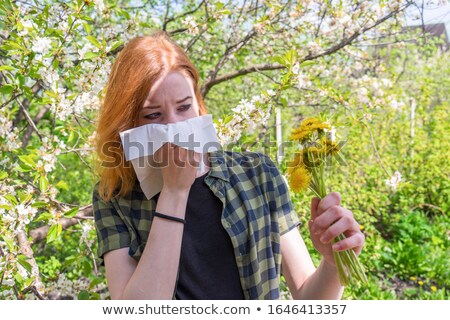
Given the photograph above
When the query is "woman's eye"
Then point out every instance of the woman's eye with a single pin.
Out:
(152, 115)
(185, 107)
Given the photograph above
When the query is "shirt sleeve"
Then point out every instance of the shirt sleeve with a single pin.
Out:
(280, 198)
(112, 232)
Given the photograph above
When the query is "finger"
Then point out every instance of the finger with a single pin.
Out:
(193, 158)
(330, 216)
(314, 203)
(343, 224)
(161, 154)
(331, 199)
(355, 242)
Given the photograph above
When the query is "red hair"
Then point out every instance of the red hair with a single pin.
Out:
(142, 61)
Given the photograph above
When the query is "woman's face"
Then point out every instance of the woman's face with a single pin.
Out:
(171, 99)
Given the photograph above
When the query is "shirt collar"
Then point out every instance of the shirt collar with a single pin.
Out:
(219, 167)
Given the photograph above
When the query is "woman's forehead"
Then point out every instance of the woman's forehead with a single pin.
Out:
(174, 84)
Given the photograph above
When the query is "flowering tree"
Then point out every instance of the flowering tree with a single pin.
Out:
(55, 59)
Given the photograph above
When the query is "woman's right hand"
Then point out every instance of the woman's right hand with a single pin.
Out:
(178, 167)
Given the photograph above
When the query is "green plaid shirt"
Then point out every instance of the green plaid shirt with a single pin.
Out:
(257, 210)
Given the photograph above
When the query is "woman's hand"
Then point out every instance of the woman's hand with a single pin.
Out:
(178, 166)
(328, 220)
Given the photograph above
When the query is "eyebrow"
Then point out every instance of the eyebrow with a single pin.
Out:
(155, 107)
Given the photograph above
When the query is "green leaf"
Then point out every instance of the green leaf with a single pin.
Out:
(71, 136)
(24, 263)
(45, 216)
(62, 185)
(71, 213)
(24, 197)
(87, 27)
(284, 102)
(219, 5)
(291, 56)
(43, 183)
(54, 232)
(94, 41)
(55, 64)
(22, 168)
(18, 278)
(116, 45)
(6, 89)
(87, 268)
(28, 282)
(86, 18)
(95, 282)
(90, 55)
(83, 295)
(12, 199)
(39, 204)
(279, 59)
(307, 63)
(51, 94)
(3, 175)
(28, 160)
(5, 67)
(15, 45)
(69, 261)
(5, 206)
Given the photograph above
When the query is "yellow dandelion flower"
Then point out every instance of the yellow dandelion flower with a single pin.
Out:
(331, 148)
(420, 282)
(308, 122)
(433, 288)
(298, 159)
(413, 278)
(300, 134)
(314, 124)
(299, 179)
(307, 127)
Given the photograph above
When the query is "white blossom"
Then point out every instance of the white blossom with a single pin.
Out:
(87, 47)
(42, 45)
(99, 5)
(27, 25)
(192, 25)
(271, 93)
(394, 181)
(367, 117)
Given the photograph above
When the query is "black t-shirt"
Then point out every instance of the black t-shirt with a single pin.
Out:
(208, 269)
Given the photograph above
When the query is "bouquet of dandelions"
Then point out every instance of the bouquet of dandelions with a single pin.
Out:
(307, 169)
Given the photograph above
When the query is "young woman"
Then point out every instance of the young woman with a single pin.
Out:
(224, 233)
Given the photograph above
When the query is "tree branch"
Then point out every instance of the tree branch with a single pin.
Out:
(256, 68)
(29, 120)
(40, 233)
(349, 40)
(26, 250)
(214, 80)
(167, 21)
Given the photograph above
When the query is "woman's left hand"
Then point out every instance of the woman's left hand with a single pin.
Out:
(328, 220)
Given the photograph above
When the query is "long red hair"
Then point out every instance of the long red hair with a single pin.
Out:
(142, 61)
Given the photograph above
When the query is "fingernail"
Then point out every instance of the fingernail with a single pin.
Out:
(323, 239)
(336, 247)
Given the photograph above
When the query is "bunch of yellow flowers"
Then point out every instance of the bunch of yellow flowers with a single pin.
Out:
(307, 169)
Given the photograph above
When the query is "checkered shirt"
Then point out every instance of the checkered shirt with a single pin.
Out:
(257, 210)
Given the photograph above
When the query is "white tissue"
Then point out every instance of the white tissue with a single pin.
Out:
(140, 144)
